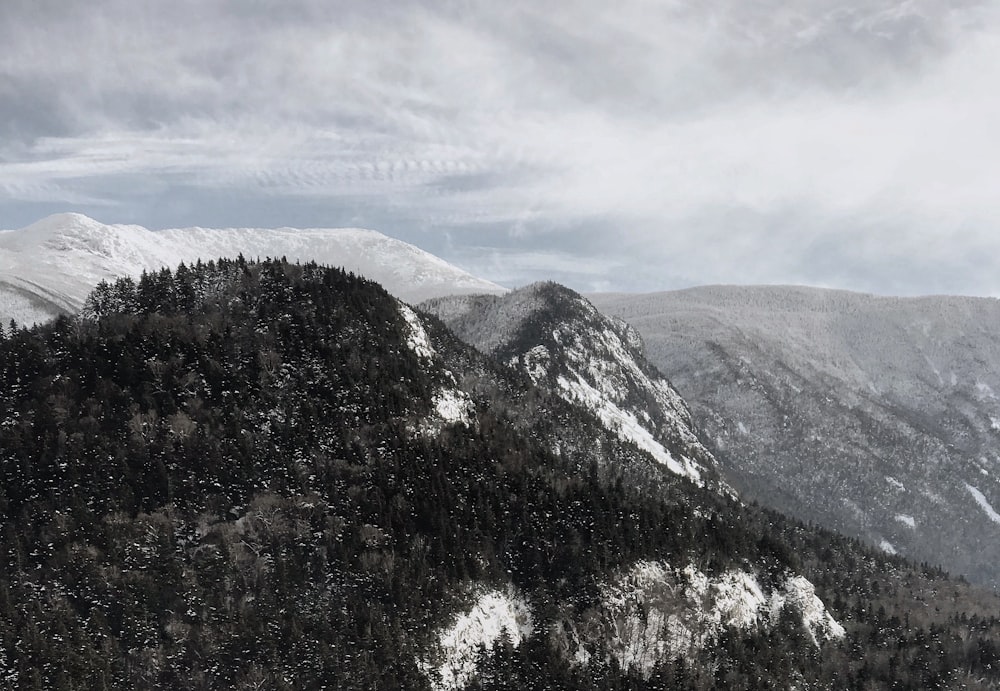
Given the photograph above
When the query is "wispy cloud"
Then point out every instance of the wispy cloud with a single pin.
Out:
(806, 141)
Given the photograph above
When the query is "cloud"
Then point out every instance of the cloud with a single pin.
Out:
(690, 141)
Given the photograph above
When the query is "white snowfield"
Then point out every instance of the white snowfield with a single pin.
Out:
(51, 266)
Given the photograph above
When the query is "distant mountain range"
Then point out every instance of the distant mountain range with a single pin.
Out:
(49, 267)
(876, 416)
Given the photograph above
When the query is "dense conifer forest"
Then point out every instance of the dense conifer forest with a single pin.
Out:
(230, 476)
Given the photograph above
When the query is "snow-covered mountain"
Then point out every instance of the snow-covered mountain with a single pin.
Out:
(875, 416)
(49, 267)
(565, 345)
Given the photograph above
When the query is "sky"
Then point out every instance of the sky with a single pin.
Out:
(632, 146)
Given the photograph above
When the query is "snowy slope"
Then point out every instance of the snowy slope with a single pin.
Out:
(874, 416)
(565, 345)
(49, 267)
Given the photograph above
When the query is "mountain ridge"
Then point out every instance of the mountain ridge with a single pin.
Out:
(872, 415)
(561, 342)
(50, 266)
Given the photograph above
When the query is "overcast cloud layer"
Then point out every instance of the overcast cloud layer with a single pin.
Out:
(633, 145)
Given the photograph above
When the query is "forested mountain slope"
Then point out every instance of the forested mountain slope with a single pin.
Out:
(875, 416)
(268, 475)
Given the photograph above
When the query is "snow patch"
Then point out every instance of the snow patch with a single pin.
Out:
(417, 339)
(887, 547)
(454, 406)
(895, 483)
(935, 370)
(654, 612)
(906, 520)
(640, 619)
(536, 363)
(801, 594)
(493, 613)
(626, 426)
(984, 504)
(738, 599)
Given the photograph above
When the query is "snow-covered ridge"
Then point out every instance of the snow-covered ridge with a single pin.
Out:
(625, 425)
(58, 260)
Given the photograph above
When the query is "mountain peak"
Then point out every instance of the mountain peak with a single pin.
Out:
(68, 223)
(49, 229)
(50, 266)
(556, 337)
(64, 220)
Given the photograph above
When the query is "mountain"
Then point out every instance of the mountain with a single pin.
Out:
(875, 416)
(272, 475)
(565, 345)
(48, 268)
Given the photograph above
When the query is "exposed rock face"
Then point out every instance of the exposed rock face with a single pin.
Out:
(565, 345)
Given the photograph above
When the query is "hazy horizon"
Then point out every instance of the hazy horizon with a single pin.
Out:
(636, 147)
